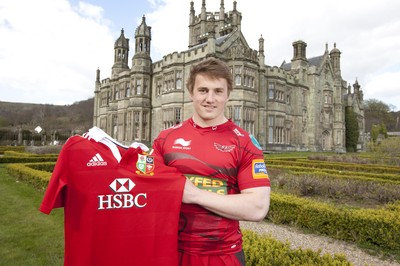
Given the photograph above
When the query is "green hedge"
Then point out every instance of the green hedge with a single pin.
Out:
(380, 227)
(264, 250)
(340, 166)
(12, 148)
(377, 177)
(27, 159)
(46, 166)
(38, 179)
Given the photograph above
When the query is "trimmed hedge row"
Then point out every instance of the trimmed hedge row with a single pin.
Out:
(27, 159)
(11, 148)
(379, 227)
(46, 166)
(383, 178)
(340, 166)
(24, 172)
(264, 250)
(24, 157)
(26, 154)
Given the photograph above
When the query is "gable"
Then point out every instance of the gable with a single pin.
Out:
(235, 47)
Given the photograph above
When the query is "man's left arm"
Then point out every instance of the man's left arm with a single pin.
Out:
(251, 204)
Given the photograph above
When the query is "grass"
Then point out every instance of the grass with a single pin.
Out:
(27, 236)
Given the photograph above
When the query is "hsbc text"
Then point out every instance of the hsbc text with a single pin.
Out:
(118, 201)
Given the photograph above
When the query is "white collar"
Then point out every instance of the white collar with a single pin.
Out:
(100, 136)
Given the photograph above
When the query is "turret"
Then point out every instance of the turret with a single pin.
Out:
(335, 57)
(142, 40)
(141, 60)
(222, 11)
(121, 53)
(211, 44)
(261, 56)
(357, 91)
(96, 97)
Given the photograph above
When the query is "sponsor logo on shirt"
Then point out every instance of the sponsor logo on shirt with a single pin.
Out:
(145, 164)
(255, 142)
(122, 199)
(181, 144)
(259, 170)
(224, 148)
(215, 185)
(122, 185)
(97, 160)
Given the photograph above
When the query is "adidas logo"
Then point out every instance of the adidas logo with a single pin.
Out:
(97, 160)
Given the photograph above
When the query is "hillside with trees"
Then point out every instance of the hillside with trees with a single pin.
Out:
(60, 120)
(61, 117)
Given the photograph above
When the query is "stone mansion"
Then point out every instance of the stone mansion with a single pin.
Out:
(298, 106)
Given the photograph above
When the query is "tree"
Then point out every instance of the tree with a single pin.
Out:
(352, 130)
(377, 130)
(377, 113)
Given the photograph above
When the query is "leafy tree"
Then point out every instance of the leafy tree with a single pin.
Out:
(377, 130)
(377, 113)
(352, 130)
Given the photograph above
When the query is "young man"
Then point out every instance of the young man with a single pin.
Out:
(227, 179)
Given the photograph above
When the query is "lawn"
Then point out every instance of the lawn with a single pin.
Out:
(27, 236)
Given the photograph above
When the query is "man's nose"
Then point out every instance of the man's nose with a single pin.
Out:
(210, 96)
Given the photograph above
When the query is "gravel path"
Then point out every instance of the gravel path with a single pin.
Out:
(308, 241)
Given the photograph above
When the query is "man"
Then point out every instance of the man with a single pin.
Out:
(227, 180)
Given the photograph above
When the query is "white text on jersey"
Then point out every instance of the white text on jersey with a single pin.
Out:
(97, 160)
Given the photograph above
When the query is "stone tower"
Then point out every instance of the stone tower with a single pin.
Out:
(217, 23)
(121, 53)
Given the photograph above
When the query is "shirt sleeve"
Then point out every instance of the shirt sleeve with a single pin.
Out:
(157, 147)
(252, 170)
(54, 196)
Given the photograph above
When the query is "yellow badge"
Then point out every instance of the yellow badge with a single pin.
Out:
(259, 170)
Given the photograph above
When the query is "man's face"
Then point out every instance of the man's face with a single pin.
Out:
(209, 98)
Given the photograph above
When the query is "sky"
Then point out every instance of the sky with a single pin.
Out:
(50, 49)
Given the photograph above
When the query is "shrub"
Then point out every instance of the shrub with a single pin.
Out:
(264, 250)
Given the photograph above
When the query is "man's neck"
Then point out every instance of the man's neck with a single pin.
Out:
(209, 123)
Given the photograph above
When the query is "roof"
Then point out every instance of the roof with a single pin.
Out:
(218, 41)
(314, 61)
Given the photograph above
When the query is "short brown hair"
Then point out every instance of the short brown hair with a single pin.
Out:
(213, 68)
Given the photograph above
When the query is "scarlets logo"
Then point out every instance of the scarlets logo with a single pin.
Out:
(224, 148)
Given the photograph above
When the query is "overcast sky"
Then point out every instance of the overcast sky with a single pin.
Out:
(50, 49)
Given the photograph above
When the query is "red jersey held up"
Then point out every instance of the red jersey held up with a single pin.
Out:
(121, 205)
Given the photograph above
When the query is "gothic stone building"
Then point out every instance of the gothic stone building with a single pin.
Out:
(299, 106)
